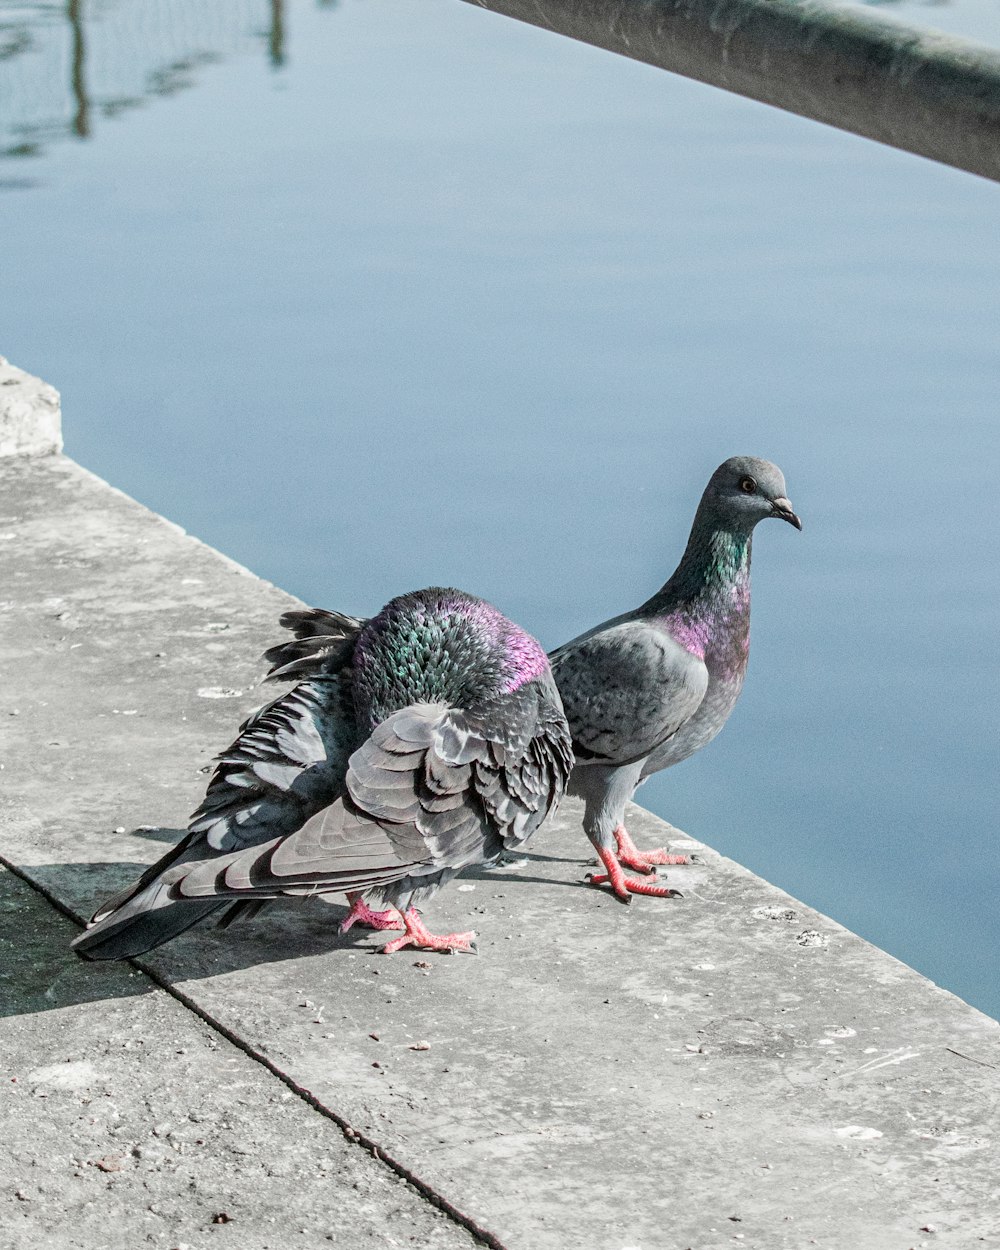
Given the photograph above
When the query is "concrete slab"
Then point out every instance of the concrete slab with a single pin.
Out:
(128, 1121)
(732, 1069)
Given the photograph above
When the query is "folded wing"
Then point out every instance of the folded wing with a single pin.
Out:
(431, 789)
(626, 690)
(288, 761)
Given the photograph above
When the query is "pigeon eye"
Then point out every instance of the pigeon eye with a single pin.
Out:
(748, 485)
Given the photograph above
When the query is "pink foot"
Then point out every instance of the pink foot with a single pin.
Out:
(624, 887)
(643, 861)
(417, 935)
(361, 913)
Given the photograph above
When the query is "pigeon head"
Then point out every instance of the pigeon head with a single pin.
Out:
(745, 490)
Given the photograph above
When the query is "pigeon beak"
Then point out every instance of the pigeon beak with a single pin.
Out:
(782, 507)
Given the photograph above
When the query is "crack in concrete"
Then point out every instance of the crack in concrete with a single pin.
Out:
(351, 1134)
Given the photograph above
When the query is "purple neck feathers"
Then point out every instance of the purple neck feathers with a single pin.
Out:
(525, 660)
(706, 603)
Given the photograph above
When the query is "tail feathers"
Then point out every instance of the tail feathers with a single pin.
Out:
(315, 622)
(137, 928)
(324, 643)
(151, 873)
(144, 915)
(245, 909)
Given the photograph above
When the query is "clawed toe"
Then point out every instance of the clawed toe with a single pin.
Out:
(417, 935)
(624, 887)
(648, 860)
(629, 855)
(362, 914)
(638, 865)
(603, 878)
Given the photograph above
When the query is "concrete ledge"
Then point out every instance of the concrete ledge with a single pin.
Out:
(731, 1070)
(30, 420)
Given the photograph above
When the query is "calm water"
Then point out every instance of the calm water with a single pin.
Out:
(396, 292)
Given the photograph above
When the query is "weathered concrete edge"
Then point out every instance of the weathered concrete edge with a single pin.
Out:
(30, 416)
(915, 89)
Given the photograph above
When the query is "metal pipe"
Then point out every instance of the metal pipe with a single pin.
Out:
(917, 90)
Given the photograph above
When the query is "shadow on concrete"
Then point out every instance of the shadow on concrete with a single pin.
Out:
(38, 972)
(42, 974)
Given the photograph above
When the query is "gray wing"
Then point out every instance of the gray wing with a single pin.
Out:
(528, 763)
(626, 690)
(430, 789)
(288, 761)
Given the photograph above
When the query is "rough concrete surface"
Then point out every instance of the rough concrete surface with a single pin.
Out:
(129, 1121)
(731, 1069)
(30, 418)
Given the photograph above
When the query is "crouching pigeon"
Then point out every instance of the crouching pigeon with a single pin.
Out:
(649, 688)
(415, 744)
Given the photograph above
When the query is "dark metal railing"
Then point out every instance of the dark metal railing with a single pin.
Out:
(917, 90)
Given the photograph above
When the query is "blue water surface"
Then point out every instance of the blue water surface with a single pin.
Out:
(398, 292)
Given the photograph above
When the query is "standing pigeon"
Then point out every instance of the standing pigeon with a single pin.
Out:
(649, 688)
(425, 740)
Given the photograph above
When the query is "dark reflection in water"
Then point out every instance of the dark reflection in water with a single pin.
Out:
(62, 65)
(276, 37)
(81, 119)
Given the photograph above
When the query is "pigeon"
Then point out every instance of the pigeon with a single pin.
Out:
(647, 689)
(425, 740)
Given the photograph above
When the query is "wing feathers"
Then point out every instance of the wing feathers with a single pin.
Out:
(425, 792)
(432, 790)
(626, 690)
(288, 761)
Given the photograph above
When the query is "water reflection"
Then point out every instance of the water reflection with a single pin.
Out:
(81, 118)
(63, 66)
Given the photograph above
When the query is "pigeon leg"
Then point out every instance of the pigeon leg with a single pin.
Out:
(624, 887)
(417, 935)
(361, 913)
(630, 856)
